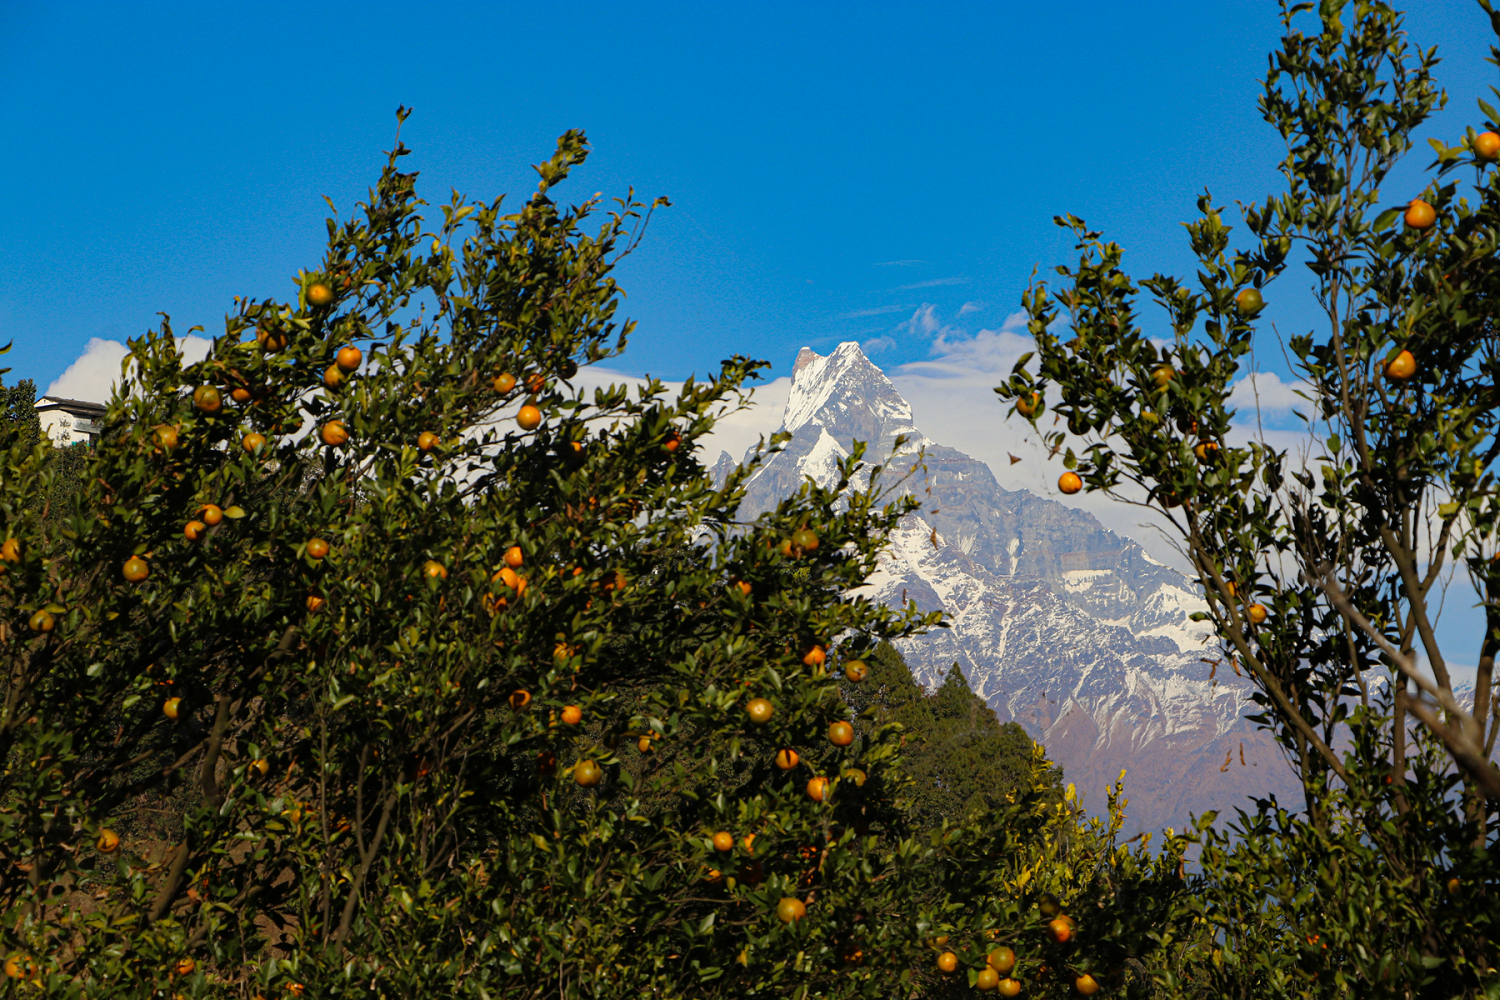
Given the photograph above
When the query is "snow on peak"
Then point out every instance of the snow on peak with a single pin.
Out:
(843, 380)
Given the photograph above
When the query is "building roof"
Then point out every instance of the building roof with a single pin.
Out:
(71, 405)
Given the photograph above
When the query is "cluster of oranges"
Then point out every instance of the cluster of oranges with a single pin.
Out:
(1000, 962)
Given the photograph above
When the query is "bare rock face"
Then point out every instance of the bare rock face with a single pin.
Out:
(1069, 629)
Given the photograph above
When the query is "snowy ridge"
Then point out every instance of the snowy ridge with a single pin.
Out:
(1069, 629)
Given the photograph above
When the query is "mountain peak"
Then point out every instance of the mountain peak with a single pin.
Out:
(847, 395)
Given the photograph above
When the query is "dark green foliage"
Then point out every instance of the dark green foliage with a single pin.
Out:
(960, 758)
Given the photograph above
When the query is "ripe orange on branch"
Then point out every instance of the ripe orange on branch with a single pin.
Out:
(1008, 988)
(504, 382)
(1249, 300)
(319, 295)
(1069, 483)
(817, 789)
(1420, 215)
(1086, 985)
(856, 671)
(1401, 367)
(588, 774)
(42, 621)
(529, 418)
(211, 514)
(1487, 145)
(723, 841)
(253, 442)
(1256, 613)
(987, 979)
(1061, 929)
(814, 657)
(208, 399)
(787, 758)
(947, 962)
(427, 440)
(136, 569)
(1027, 406)
(572, 715)
(760, 711)
(1001, 959)
(790, 909)
(172, 708)
(317, 548)
(108, 841)
(194, 530)
(334, 433)
(841, 734)
(348, 358)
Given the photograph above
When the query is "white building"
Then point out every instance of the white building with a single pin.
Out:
(69, 421)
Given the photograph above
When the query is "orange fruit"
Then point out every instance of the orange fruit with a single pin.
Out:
(19, 966)
(427, 440)
(1401, 367)
(743, 587)
(987, 980)
(317, 548)
(947, 962)
(1027, 406)
(760, 711)
(240, 395)
(514, 557)
(529, 417)
(208, 399)
(172, 708)
(857, 776)
(643, 744)
(333, 376)
(1008, 988)
(790, 909)
(1256, 613)
(348, 358)
(814, 657)
(1453, 885)
(1049, 905)
(1206, 450)
(185, 966)
(1069, 483)
(271, 341)
(723, 841)
(1249, 300)
(588, 774)
(334, 433)
(519, 699)
(262, 765)
(1487, 145)
(817, 789)
(572, 714)
(841, 734)
(136, 570)
(1420, 215)
(434, 570)
(1162, 375)
(1061, 929)
(194, 530)
(108, 841)
(166, 436)
(319, 295)
(42, 622)
(315, 603)
(546, 761)
(504, 382)
(252, 442)
(1001, 959)
(1086, 985)
(805, 539)
(856, 671)
(535, 382)
(787, 758)
(10, 551)
(672, 442)
(211, 514)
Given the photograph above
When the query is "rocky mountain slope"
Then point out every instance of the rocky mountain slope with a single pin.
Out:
(1069, 629)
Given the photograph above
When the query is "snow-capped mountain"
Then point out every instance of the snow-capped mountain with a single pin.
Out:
(1069, 629)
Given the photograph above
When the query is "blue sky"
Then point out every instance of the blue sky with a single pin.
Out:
(834, 167)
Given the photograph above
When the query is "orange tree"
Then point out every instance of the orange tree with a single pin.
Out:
(1324, 574)
(371, 658)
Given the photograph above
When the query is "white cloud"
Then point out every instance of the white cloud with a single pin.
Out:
(899, 263)
(878, 344)
(96, 372)
(1267, 390)
(934, 283)
(877, 311)
(970, 307)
